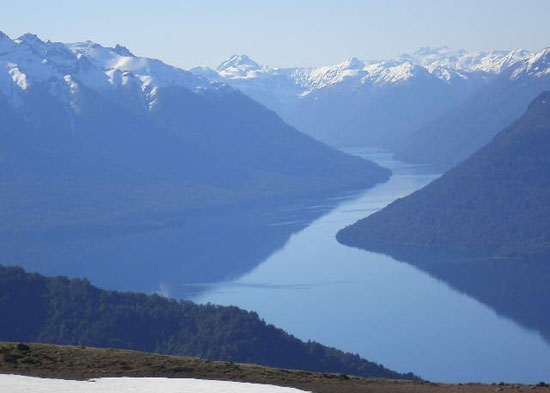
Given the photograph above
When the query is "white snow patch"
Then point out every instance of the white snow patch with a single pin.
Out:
(22, 384)
(19, 77)
(538, 65)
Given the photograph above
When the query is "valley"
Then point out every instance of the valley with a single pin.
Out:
(411, 313)
(374, 224)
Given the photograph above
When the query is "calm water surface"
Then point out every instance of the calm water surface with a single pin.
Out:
(385, 310)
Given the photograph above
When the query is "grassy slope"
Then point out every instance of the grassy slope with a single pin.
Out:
(53, 361)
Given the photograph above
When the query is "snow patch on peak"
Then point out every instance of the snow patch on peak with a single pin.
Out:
(461, 60)
(350, 70)
(239, 67)
(353, 63)
(238, 61)
(66, 68)
(540, 58)
(537, 65)
(383, 73)
(519, 53)
(205, 72)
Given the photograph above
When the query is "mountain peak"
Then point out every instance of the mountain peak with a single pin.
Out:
(30, 38)
(520, 53)
(123, 51)
(353, 63)
(537, 65)
(542, 56)
(205, 72)
(239, 61)
(5, 42)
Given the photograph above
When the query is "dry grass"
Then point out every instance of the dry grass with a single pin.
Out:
(69, 362)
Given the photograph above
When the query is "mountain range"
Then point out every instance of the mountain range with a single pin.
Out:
(435, 106)
(94, 135)
(494, 204)
(470, 125)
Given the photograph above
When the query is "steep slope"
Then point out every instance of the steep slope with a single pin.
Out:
(496, 203)
(62, 311)
(471, 124)
(377, 103)
(379, 108)
(94, 135)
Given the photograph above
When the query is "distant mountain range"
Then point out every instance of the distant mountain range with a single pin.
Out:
(94, 136)
(435, 106)
(496, 203)
(73, 312)
(453, 136)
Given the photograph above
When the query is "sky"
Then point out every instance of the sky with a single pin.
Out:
(283, 33)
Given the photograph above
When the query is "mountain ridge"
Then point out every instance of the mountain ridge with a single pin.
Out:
(376, 103)
(401, 104)
(97, 134)
(492, 204)
(454, 135)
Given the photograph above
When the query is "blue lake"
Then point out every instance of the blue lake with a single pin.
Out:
(389, 311)
(443, 319)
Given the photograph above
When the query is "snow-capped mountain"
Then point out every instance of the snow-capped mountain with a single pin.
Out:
(97, 133)
(64, 68)
(381, 103)
(472, 123)
(353, 102)
(537, 65)
(443, 62)
(464, 61)
(239, 67)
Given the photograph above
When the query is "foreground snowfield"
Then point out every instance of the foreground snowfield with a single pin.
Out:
(20, 384)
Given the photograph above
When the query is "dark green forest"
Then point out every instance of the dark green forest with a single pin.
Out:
(496, 203)
(57, 310)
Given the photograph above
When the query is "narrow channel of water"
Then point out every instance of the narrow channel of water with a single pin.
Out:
(387, 311)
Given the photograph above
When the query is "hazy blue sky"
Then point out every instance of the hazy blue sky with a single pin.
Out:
(283, 32)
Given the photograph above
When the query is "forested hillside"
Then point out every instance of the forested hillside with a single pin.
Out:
(496, 203)
(62, 311)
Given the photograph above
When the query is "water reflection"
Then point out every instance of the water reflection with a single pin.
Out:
(174, 257)
(514, 288)
(442, 317)
(404, 316)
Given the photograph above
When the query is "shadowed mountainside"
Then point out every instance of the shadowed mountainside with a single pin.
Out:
(472, 123)
(97, 136)
(496, 203)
